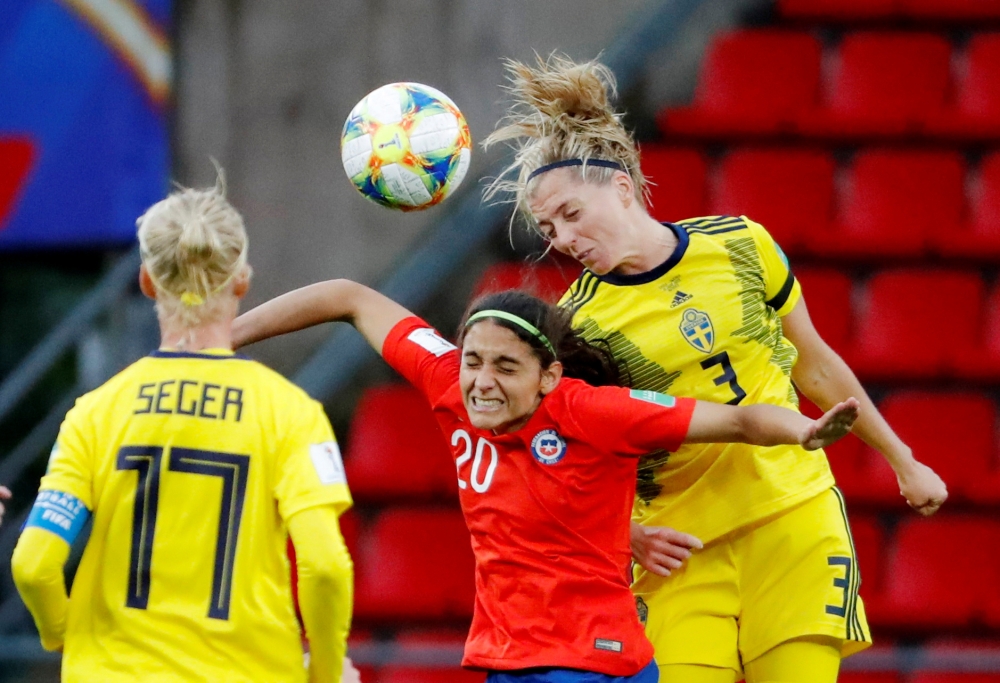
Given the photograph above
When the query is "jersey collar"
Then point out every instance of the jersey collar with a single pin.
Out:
(656, 273)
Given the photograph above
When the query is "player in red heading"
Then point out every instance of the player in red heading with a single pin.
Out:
(546, 466)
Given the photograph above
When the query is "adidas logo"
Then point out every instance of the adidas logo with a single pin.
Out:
(679, 298)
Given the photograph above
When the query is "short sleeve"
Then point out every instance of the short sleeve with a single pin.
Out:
(629, 422)
(70, 468)
(420, 354)
(310, 469)
(782, 290)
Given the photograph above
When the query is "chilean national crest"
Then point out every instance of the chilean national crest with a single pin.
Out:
(548, 447)
(697, 329)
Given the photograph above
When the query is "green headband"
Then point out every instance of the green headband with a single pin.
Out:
(517, 320)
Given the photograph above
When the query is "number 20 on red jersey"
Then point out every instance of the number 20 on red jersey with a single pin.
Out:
(479, 480)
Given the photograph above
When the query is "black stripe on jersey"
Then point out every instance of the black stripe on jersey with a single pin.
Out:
(159, 353)
(712, 224)
(853, 621)
(718, 231)
(590, 291)
(781, 298)
(582, 291)
(704, 221)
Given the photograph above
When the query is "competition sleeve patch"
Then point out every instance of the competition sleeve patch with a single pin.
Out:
(61, 513)
(432, 342)
(328, 463)
(653, 397)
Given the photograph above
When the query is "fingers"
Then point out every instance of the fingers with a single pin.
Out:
(677, 538)
(5, 493)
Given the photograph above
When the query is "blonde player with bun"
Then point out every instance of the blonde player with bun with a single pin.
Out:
(195, 465)
(706, 308)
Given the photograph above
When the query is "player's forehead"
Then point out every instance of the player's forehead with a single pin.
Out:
(549, 191)
(491, 342)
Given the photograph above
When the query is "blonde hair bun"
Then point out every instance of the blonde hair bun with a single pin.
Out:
(193, 244)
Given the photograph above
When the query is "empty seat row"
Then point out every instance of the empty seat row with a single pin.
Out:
(883, 203)
(930, 574)
(953, 432)
(854, 10)
(416, 565)
(908, 323)
(875, 84)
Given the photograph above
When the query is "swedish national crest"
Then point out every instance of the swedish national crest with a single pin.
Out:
(697, 329)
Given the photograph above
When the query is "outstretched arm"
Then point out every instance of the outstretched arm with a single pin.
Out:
(373, 314)
(825, 379)
(768, 425)
(662, 549)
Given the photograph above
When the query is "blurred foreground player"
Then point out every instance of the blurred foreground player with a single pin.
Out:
(195, 465)
(546, 468)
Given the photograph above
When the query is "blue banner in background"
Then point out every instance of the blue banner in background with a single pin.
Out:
(84, 89)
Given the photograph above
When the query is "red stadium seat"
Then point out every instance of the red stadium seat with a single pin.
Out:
(395, 448)
(677, 181)
(983, 364)
(416, 564)
(789, 191)
(548, 281)
(403, 674)
(960, 448)
(751, 82)
(827, 293)
(851, 10)
(928, 677)
(963, 10)
(868, 542)
(913, 322)
(979, 236)
(940, 570)
(884, 83)
(975, 111)
(892, 202)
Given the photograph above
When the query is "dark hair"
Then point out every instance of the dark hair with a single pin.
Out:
(590, 361)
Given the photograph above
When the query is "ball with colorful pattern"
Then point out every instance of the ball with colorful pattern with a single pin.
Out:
(406, 146)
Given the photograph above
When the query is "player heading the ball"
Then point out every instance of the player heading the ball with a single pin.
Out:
(546, 464)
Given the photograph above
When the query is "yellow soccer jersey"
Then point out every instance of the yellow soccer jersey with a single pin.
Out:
(707, 324)
(190, 463)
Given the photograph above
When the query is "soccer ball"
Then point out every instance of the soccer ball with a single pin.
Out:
(406, 146)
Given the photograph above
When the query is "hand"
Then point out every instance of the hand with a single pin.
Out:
(832, 426)
(5, 494)
(659, 549)
(350, 675)
(922, 488)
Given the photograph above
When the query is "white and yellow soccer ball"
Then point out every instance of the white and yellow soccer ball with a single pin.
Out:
(406, 146)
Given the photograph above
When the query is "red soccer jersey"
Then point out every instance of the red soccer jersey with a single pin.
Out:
(548, 507)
